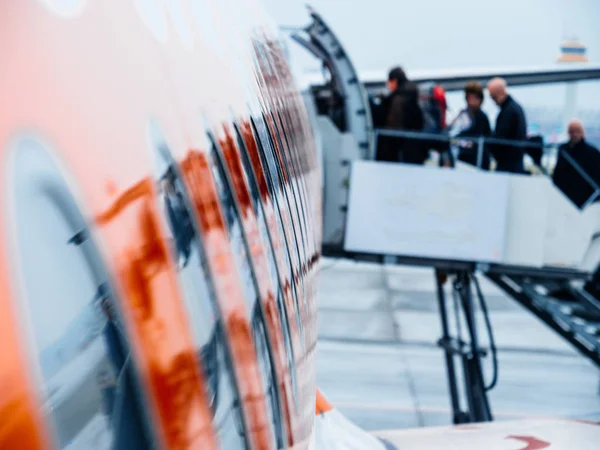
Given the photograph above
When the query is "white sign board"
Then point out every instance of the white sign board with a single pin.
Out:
(409, 210)
(526, 220)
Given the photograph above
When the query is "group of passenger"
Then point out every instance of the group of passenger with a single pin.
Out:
(401, 110)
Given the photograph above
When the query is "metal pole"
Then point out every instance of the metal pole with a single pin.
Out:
(591, 200)
(449, 356)
(580, 170)
(480, 143)
(585, 176)
(481, 408)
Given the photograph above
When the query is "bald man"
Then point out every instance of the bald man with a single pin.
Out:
(576, 132)
(510, 125)
(567, 176)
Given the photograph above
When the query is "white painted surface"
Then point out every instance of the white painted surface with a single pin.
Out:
(65, 8)
(526, 221)
(568, 231)
(409, 210)
(591, 260)
(530, 434)
(333, 431)
(397, 209)
(337, 147)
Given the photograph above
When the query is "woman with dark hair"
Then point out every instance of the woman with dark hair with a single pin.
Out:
(472, 122)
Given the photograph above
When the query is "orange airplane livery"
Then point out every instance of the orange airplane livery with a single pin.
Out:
(160, 237)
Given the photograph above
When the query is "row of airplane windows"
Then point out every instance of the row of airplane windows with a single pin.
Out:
(92, 395)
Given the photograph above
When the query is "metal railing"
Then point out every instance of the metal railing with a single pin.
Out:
(480, 142)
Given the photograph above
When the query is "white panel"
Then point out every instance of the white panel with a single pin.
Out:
(526, 221)
(545, 227)
(398, 209)
(338, 147)
(591, 260)
(568, 233)
(501, 435)
(427, 212)
(333, 431)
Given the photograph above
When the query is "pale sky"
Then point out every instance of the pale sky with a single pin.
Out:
(430, 34)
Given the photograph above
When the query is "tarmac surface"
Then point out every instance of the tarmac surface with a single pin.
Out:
(378, 363)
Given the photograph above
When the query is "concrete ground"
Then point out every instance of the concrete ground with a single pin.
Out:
(378, 362)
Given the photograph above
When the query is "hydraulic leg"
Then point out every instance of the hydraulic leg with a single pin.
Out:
(446, 343)
(474, 386)
(479, 404)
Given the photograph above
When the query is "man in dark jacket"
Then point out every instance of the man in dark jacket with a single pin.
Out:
(400, 110)
(577, 182)
(472, 122)
(510, 125)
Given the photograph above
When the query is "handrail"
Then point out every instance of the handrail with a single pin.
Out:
(481, 141)
(586, 177)
(446, 138)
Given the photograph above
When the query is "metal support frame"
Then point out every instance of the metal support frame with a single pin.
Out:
(476, 142)
(555, 314)
(449, 352)
(470, 353)
(468, 391)
(481, 141)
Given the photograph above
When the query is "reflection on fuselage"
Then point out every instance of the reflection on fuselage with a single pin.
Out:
(87, 384)
(251, 296)
(292, 261)
(201, 306)
(267, 241)
(159, 306)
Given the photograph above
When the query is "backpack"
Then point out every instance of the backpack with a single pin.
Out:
(433, 103)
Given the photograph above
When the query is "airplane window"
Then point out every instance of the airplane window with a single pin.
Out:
(263, 141)
(292, 197)
(249, 284)
(289, 166)
(277, 171)
(200, 301)
(87, 376)
(268, 245)
(297, 164)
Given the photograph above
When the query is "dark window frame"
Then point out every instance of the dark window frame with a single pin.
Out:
(275, 184)
(296, 166)
(258, 208)
(289, 166)
(55, 187)
(240, 420)
(257, 318)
